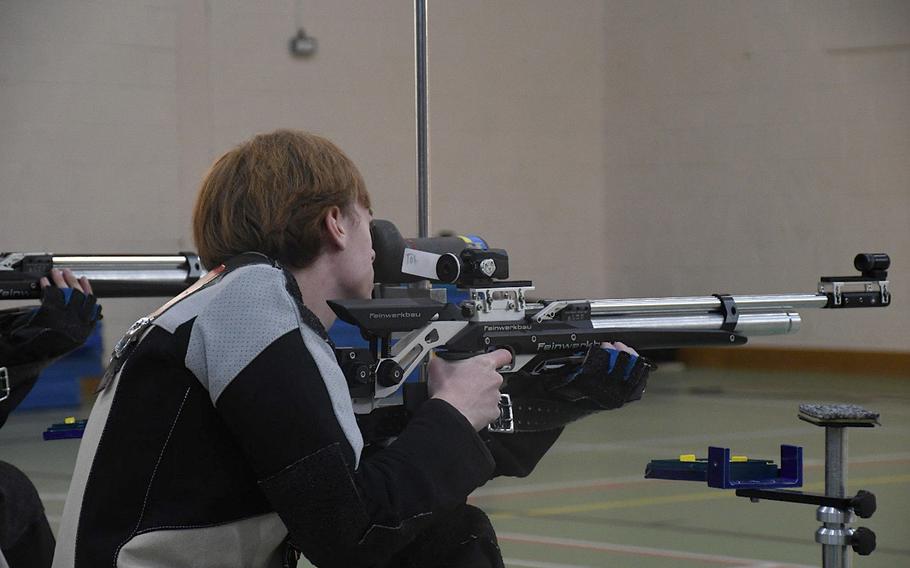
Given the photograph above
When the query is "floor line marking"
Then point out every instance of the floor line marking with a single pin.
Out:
(617, 504)
(574, 447)
(492, 493)
(520, 563)
(52, 496)
(644, 551)
(669, 499)
(531, 488)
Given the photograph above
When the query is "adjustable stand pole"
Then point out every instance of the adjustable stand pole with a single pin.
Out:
(833, 535)
(835, 510)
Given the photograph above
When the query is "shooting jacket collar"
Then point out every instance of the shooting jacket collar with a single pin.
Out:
(138, 330)
(308, 317)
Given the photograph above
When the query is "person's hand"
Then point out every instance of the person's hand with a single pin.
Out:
(610, 376)
(619, 346)
(64, 279)
(68, 306)
(471, 385)
(65, 319)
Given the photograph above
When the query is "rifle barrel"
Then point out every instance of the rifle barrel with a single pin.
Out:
(119, 276)
(705, 304)
(750, 324)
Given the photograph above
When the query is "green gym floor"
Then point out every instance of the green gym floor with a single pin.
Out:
(588, 505)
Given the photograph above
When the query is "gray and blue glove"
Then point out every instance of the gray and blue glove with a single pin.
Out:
(607, 379)
(32, 338)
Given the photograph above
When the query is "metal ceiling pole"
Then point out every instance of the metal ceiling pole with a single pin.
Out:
(423, 178)
(423, 158)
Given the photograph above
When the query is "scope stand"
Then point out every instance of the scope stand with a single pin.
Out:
(835, 510)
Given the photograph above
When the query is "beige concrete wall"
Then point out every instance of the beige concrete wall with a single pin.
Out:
(516, 134)
(614, 148)
(753, 146)
(89, 151)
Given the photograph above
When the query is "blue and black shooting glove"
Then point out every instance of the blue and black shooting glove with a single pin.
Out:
(607, 379)
(63, 321)
(32, 338)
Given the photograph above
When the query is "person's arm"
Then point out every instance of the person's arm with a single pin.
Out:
(611, 376)
(32, 338)
(340, 510)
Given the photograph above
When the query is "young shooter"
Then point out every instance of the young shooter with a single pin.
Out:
(225, 434)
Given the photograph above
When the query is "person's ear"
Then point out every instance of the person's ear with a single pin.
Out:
(335, 230)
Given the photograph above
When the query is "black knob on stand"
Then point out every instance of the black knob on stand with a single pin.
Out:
(863, 504)
(863, 541)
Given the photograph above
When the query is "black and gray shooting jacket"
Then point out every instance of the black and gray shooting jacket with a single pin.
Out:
(227, 438)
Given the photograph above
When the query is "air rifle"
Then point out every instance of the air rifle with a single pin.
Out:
(404, 324)
(544, 335)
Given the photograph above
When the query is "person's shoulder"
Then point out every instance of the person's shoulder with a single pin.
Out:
(242, 315)
(248, 293)
(254, 291)
(253, 276)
